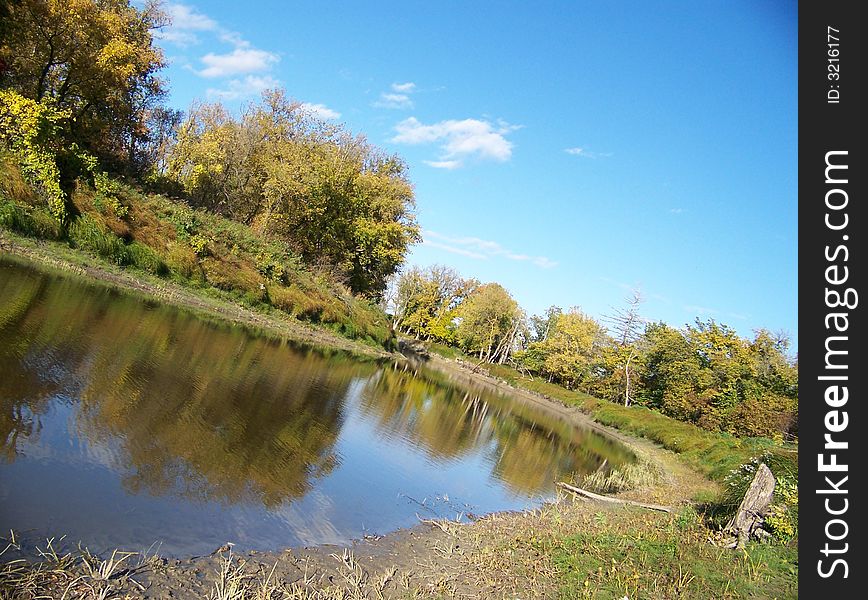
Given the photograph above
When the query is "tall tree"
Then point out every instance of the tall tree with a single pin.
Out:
(94, 58)
(342, 204)
(487, 319)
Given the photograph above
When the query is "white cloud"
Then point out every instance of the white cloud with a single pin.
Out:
(443, 164)
(185, 20)
(545, 263)
(250, 86)
(398, 98)
(474, 247)
(576, 151)
(454, 249)
(321, 111)
(676, 211)
(459, 139)
(396, 101)
(177, 37)
(237, 62)
(243, 59)
(700, 310)
(188, 18)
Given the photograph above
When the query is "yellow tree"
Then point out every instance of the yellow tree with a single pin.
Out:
(489, 318)
(339, 202)
(572, 347)
(94, 58)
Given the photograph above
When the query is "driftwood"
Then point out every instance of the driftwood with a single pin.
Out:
(753, 507)
(599, 498)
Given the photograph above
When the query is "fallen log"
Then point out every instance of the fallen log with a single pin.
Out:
(753, 507)
(592, 496)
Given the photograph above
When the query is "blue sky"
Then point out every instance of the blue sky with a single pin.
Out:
(569, 151)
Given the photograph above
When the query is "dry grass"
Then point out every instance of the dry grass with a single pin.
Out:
(71, 574)
(642, 474)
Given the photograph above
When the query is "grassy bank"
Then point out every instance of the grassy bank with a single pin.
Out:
(637, 554)
(157, 238)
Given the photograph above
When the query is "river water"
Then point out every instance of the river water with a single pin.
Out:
(127, 423)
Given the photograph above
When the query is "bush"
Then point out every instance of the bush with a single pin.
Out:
(183, 261)
(106, 197)
(31, 129)
(782, 519)
(271, 267)
(33, 222)
(86, 234)
(145, 258)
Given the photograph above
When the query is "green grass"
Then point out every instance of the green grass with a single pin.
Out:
(28, 221)
(656, 556)
(87, 234)
(146, 259)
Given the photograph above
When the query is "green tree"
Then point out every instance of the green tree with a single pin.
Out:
(710, 376)
(489, 320)
(572, 347)
(341, 203)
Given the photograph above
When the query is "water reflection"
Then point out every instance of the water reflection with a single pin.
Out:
(124, 422)
(529, 449)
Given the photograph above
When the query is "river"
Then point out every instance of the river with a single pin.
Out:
(128, 423)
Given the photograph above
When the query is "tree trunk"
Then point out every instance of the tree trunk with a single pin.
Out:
(586, 494)
(627, 374)
(753, 506)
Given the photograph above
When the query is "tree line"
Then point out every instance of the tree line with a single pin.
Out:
(703, 373)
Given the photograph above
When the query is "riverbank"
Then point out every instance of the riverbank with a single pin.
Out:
(567, 549)
(58, 257)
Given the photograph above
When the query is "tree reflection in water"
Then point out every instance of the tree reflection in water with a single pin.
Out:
(171, 406)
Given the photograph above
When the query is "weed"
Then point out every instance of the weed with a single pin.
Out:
(146, 259)
(87, 234)
(634, 475)
(32, 222)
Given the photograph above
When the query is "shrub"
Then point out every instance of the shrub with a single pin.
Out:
(87, 234)
(199, 244)
(30, 129)
(782, 519)
(107, 191)
(29, 222)
(271, 267)
(145, 258)
(182, 260)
